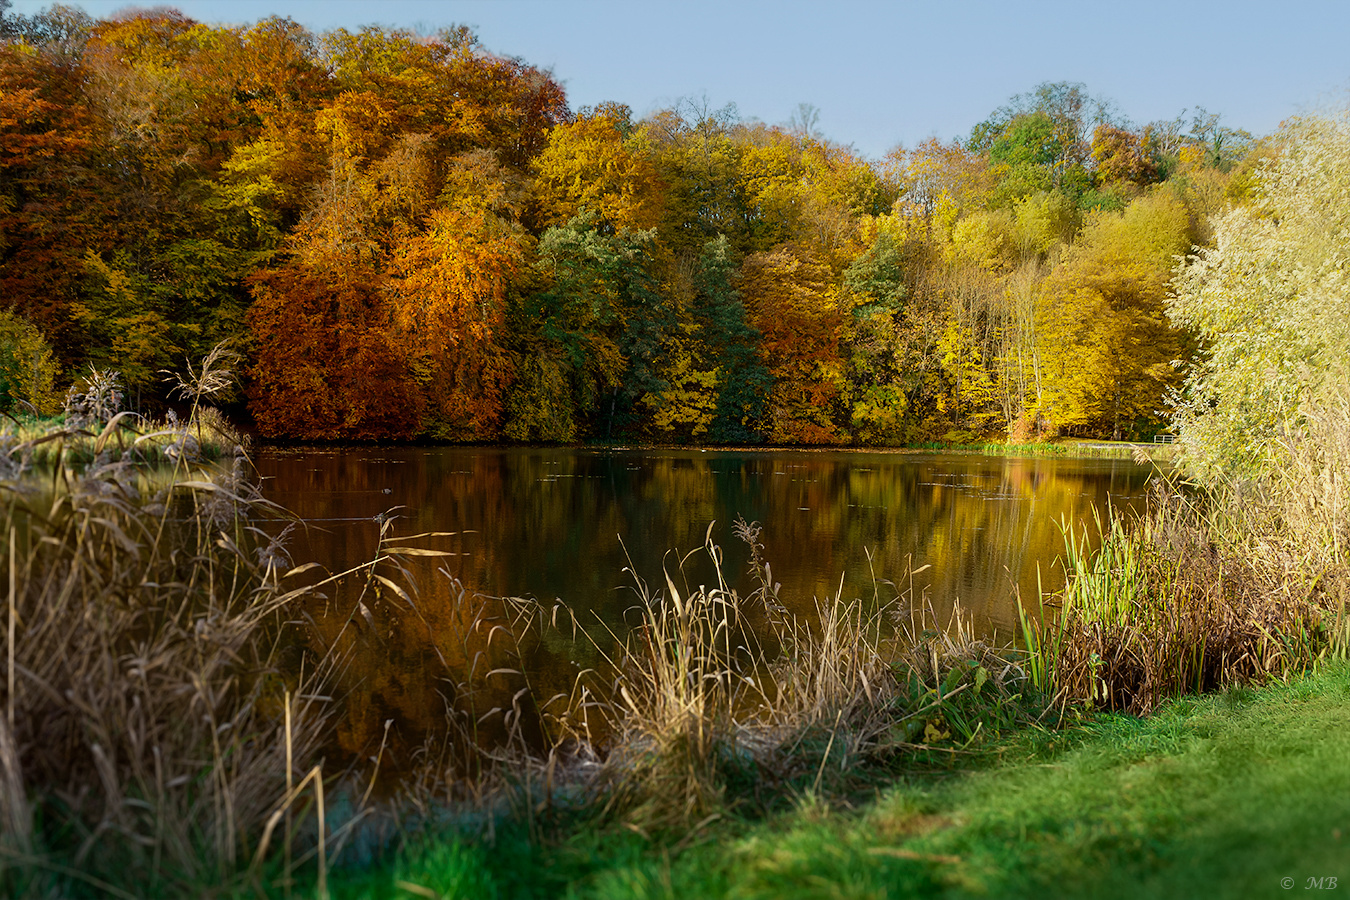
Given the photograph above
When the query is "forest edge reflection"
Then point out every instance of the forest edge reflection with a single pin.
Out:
(575, 526)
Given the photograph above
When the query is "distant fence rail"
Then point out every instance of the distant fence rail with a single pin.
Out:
(1164, 439)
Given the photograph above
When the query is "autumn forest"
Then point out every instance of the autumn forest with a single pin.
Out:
(409, 237)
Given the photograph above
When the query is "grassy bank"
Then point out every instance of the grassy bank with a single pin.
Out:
(1072, 448)
(1221, 796)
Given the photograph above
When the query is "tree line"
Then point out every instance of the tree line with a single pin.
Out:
(406, 236)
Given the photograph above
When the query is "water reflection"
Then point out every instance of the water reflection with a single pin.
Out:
(558, 523)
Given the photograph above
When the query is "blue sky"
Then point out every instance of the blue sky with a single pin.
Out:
(880, 73)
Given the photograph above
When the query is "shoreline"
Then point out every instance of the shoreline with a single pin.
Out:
(1075, 449)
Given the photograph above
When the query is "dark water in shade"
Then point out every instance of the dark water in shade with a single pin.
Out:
(565, 523)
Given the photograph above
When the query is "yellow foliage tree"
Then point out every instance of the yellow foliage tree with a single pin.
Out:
(28, 367)
(972, 402)
(1106, 346)
(985, 238)
(689, 403)
(599, 162)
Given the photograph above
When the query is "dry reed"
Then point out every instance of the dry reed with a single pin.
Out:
(1240, 584)
(712, 684)
(148, 736)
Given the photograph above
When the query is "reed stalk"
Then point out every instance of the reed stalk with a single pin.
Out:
(142, 749)
(1164, 607)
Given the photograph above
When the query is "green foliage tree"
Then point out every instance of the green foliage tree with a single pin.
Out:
(601, 322)
(875, 277)
(1039, 140)
(730, 343)
(875, 284)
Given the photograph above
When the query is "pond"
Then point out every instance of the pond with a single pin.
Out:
(578, 524)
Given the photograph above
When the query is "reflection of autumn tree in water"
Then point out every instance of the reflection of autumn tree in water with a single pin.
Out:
(536, 514)
(445, 666)
(564, 525)
(422, 664)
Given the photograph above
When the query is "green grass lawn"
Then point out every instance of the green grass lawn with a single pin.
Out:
(1221, 796)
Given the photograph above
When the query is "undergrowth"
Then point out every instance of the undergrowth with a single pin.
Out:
(149, 745)
(1239, 584)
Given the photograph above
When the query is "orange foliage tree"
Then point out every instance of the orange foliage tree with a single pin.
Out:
(325, 367)
(793, 303)
(448, 290)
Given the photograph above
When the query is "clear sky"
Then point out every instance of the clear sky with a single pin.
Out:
(883, 73)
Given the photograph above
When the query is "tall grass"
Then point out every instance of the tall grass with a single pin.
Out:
(678, 681)
(708, 697)
(1294, 523)
(713, 688)
(711, 681)
(1240, 583)
(148, 736)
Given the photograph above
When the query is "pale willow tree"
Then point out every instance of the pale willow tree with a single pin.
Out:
(1271, 304)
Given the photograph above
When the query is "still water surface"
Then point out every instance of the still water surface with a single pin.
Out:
(565, 523)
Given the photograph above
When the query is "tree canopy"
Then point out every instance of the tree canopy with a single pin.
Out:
(408, 236)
